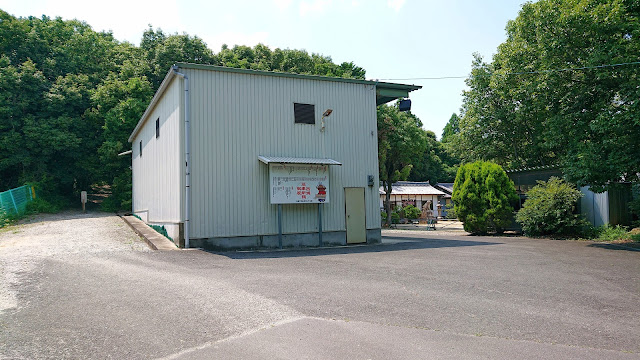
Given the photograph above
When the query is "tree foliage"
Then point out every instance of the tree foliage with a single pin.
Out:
(435, 164)
(401, 143)
(451, 129)
(520, 112)
(70, 97)
(550, 209)
(483, 196)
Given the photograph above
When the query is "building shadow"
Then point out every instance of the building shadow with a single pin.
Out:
(390, 243)
(619, 247)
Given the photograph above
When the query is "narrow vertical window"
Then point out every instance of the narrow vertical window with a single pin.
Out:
(140, 148)
(157, 128)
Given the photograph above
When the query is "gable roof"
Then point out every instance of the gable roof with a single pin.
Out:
(412, 188)
(446, 187)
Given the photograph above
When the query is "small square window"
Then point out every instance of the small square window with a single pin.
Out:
(304, 113)
(157, 128)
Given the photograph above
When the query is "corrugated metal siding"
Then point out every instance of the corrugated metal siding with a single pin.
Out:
(236, 117)
(157, 174)
(594, 206)
(619, 197)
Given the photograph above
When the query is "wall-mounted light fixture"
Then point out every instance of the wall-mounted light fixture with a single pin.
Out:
(325, 114)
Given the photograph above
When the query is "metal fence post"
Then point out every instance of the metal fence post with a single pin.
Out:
(14, 200)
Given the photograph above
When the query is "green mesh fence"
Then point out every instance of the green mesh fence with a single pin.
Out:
(15, 201)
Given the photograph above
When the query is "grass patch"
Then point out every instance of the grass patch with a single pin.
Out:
(612, 233)
(617, 235)
(36, 206)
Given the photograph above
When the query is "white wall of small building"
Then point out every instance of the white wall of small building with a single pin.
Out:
(158, 177)
(420, 200)
(235, 117)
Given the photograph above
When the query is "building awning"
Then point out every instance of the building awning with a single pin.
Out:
(386, 92)
(293, 160)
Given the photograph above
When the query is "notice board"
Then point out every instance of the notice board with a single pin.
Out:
(299, 183)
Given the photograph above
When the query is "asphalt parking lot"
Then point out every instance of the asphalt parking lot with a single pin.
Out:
(419, 295)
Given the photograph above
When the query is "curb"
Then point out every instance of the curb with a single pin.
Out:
(155, 240)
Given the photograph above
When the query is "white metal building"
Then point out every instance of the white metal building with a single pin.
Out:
(416, 194)
(234, 158)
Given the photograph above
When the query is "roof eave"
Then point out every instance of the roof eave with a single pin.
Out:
(163, 86)
(385, 91)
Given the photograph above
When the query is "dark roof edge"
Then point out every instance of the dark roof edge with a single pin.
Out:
(163, 86)
(545, 167)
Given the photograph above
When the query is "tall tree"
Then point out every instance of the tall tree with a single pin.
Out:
(435, 164)
(451, 129)
(401, 144)
(547, 99)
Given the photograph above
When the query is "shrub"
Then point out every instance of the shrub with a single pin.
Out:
(450, 211)
(395, 217)
(5, 219)
(549, 210)
(121, 194)
(483, 196)
(40, 205)
(412, 212)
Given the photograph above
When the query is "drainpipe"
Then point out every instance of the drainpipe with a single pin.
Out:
(187, 156)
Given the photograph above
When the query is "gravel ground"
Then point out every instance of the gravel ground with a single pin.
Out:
(27, 244)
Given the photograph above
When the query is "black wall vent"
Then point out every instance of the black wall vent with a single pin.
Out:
(304, 113)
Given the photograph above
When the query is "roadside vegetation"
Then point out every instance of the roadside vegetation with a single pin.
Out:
(35, 206)
(557, 91)
(550, 209)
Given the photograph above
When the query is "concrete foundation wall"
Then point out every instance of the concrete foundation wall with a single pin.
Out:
(288, 240)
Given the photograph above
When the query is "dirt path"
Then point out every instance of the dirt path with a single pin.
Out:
(24, 245)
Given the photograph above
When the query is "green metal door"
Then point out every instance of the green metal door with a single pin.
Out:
(355, 215)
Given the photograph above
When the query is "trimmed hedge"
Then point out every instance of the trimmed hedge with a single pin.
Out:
(483, 196)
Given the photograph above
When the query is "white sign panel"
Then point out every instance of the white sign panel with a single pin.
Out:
(299, 183)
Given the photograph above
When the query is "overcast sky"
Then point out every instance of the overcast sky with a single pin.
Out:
(390, 39)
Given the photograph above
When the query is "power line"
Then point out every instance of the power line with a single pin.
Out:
(520, 73)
